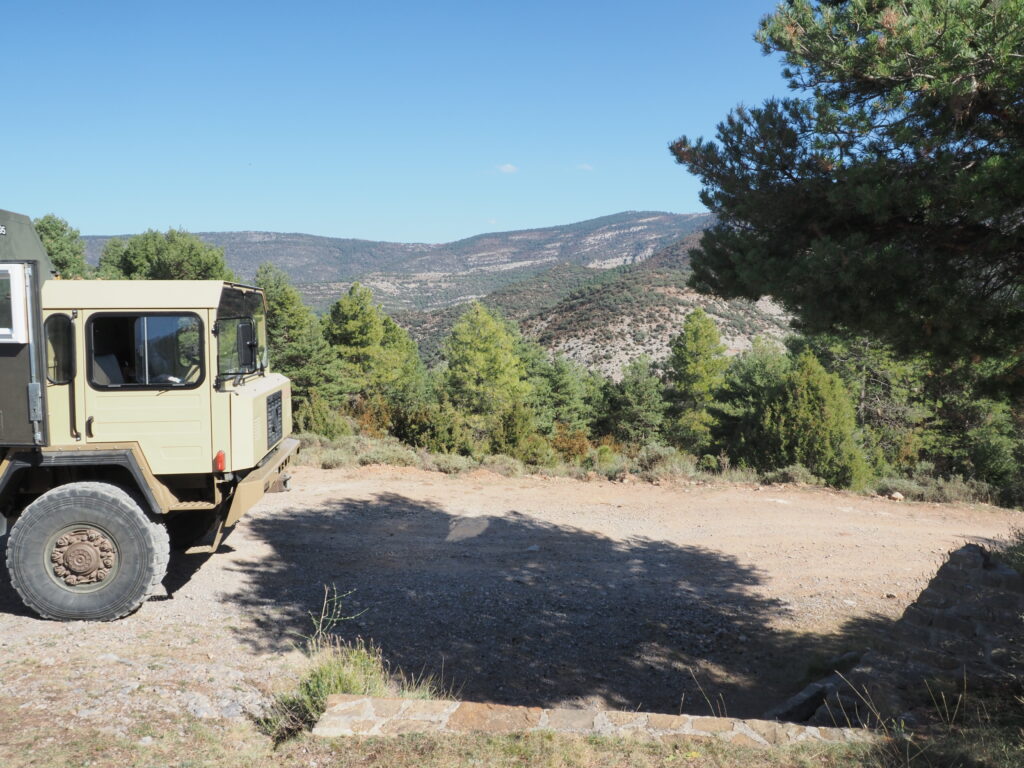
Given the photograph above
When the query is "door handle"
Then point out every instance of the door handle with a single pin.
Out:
(88, 427)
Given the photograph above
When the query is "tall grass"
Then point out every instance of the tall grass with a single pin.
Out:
(338, 666)
(961, 728)
(1013, 552)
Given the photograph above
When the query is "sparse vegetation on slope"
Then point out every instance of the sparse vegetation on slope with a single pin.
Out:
(636, 310)
(416, 276)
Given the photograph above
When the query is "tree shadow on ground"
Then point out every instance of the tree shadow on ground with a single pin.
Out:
(518, 611)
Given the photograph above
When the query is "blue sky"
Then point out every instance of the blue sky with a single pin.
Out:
(388, 121)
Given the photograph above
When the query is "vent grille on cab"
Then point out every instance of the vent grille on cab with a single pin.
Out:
(274, 416)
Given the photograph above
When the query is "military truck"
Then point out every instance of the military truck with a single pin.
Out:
(133, 415)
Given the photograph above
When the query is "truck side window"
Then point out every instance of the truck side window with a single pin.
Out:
(13, 294)
(6, 303)
(60, 349)
(158, 351)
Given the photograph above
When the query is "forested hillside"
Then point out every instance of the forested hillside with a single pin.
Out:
(840, 409)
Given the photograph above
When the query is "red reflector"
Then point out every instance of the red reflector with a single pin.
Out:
(218, 461)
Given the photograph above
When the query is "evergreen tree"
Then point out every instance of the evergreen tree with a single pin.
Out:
(380, 362)
(401, 378)
(570, 387)
(639, 409)
(888, 394)
(297, 346)
(558, 388)
(355, 323)
(174, 255)
(695, 371)
(64, 245)
(485, 373)
(887, 197)
(776, 412)
(753, 380)
(813, 424)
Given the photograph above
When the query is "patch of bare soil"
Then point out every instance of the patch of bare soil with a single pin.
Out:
(537, 591)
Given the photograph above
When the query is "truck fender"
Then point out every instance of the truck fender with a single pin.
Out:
(125, 458)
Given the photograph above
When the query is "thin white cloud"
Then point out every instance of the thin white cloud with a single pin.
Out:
(508, 168)
(584, 167)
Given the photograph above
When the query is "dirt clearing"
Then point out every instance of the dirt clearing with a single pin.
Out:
(535, 591)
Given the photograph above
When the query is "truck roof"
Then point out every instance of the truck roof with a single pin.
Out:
(133, 294)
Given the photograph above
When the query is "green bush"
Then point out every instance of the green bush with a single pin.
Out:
(503, 465)
(449, 463)
(316, 416)
(708, 463)
(659, 462)
(536, 451)
(795, 473)
(922, 487)
(607, 461)
(394, 454)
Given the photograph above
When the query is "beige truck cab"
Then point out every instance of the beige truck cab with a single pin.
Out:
(134, 415)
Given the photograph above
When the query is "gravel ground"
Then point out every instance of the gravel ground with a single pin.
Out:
(537, 591)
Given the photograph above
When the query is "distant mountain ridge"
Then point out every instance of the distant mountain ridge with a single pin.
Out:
(425, 276)
(601, 291)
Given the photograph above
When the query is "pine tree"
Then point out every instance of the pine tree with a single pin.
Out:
(355, 323)
(885, 196)
(485, 373)
(695, 371)
(639, 410)
(382, 367)
(753, 380)
(776, 412)
(297, 346)
(380, 354)
(814, 424)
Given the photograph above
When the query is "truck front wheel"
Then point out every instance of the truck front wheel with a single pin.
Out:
(85, 551)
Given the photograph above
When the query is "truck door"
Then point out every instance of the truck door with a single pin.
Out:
(22, 360)
(146, 382)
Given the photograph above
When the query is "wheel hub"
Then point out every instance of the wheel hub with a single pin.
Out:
(83, 556)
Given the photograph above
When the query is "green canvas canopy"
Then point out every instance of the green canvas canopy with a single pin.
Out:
(19, 242)
(22, 351)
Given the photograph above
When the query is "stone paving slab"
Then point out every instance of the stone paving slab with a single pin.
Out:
(348, 715)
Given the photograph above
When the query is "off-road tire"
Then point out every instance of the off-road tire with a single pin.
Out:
(141, 547)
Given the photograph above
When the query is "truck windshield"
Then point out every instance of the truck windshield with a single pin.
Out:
(241, 332)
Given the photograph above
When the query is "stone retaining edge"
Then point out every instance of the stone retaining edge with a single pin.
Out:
(349, 715)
